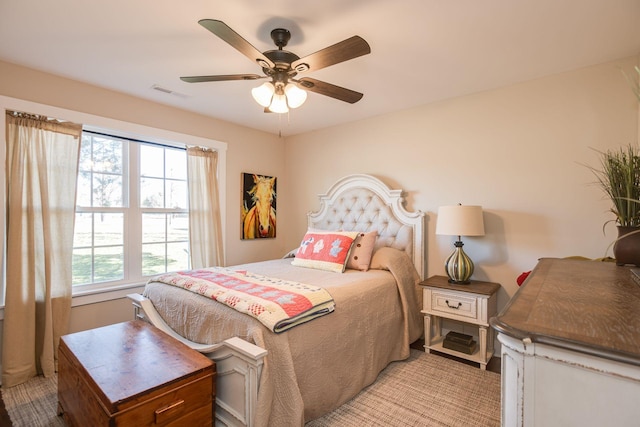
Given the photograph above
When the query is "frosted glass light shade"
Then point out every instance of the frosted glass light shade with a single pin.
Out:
(460, 220)
(279, 104)
(295, 95)
(263, 93)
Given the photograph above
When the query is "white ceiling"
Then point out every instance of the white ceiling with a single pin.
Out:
(422, 50)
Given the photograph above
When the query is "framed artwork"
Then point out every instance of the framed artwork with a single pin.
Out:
(258, 210)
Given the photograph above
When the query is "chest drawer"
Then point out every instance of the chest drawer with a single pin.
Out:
(454, 303)
(191, 403)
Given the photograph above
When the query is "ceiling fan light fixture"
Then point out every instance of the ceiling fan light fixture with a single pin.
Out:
(279, 103)
(295, 95)
(263, 93)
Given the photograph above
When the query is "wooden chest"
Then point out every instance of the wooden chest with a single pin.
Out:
(132, 374)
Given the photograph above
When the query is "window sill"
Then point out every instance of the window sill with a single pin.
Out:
(98, 295)
(95, 296)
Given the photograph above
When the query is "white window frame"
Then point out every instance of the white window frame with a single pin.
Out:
(132, 212)
(116, 128)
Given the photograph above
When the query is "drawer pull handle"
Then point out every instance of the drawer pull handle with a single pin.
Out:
(455, 307)
(167, 412)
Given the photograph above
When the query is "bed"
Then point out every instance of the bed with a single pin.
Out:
(281, 379)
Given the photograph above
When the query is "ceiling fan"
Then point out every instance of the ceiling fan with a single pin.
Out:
(281, 67)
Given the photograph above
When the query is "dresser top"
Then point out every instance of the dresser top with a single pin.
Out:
(586, 306)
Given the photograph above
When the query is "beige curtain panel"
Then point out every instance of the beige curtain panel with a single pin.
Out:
(205, 224)
(42, 165)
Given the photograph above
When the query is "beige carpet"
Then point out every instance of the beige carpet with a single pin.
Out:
(425, 390)
(34, 403)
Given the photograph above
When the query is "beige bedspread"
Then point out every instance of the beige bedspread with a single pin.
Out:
(315, 367)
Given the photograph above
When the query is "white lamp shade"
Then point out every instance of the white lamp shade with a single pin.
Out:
(279, 104)
(295, 95)
(263, 93)
(460, 220)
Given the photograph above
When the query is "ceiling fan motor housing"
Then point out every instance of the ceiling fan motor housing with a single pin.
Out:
(282, 58)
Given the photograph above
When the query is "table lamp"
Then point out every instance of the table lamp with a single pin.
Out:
(459, 221)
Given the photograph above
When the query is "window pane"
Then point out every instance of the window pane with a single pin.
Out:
(153, 228)
(82, 266)
(108, 264)
(177, 195)
(153, 259)
(107, 190)
(151, 193)
(176, 164)
(83, 191)
(177, 256)
(108, 229)
(82, 231)
(151, 161)
(107, 155)
(178, 227)
(85, 161)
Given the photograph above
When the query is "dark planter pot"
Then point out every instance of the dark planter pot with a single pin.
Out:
(626, 249)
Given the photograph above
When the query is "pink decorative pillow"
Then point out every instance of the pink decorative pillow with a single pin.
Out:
(360, 256)
(325, 250)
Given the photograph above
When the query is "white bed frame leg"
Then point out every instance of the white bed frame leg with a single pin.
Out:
(238, 366)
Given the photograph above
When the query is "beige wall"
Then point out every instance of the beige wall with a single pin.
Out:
(517, 151)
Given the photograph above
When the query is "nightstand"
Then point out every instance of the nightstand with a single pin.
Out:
(473, 304)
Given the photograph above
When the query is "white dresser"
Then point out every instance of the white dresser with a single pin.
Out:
(571, 347)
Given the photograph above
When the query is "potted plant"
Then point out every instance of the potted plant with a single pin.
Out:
(619, 178)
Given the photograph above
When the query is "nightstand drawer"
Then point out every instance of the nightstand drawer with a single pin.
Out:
(454, 303)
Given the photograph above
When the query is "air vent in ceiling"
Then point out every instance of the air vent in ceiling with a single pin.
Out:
(168, 91)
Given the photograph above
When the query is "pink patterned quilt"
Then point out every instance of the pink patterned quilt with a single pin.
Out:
(279, 304)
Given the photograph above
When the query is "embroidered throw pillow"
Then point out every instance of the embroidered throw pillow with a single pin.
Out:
(325, 250)
(361, 251)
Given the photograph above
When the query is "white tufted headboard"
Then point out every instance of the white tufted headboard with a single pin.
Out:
(364, 203)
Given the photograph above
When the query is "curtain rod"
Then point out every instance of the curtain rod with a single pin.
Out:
(158, 144)
(39, 117)
(57, 125)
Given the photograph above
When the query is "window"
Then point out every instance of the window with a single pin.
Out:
(132, 218)
(89, 294)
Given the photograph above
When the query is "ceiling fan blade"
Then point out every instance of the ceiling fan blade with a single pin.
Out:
(327, 89)
(220, 78)
(343, 51)
(223, 31)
